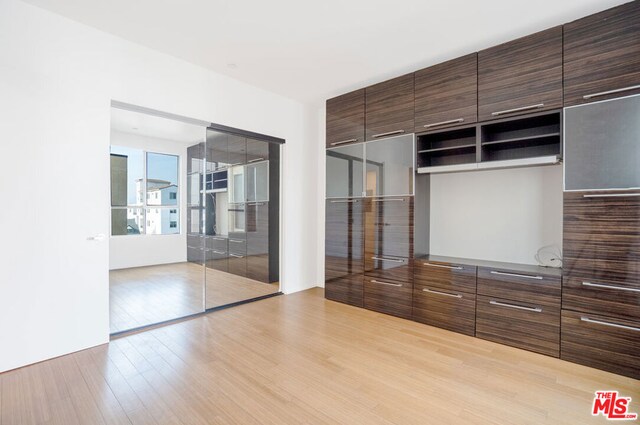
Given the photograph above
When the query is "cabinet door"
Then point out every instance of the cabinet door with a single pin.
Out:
(602, 55)
(217, 253)
(389, 297)
(390, 163)
(345, 174)
(455, 311)
(345, 119)
(521, 76)
(389, 231)
(447, 94)
(344, 249)
(258, 241)
(389, 108)
(257, 178)
(602, 145)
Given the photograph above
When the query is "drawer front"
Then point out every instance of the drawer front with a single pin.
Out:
(217, 260)
(389, 268)
(601, 237)
(388, 296)
(602, 55)
(447, 94)
(600, 297)
(601, 342)
(389, 227)
(217, 243)
(516, 286)
(345, 119)
(347, 289)
(389, 108)
(445, 276)
(521, 76)
(523, 325)
(454, 311)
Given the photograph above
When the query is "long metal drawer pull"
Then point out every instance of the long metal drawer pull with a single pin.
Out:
(613, 325)
(219, 252)
(255, 204)
(236, 240)
(342, 142)
(526, 276)
(386, 283)
(255, 160)
(218, 239)
(237, 256)
(619, 288)
(437, 124)
(388, 200)
(442, 293)
(519, 307)
(395, 260)
(604, 93)
(610, 195)
(524, 108)
(389, 133)
(443, 266)
(346, 201)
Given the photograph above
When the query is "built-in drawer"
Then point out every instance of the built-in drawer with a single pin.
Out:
(455, 311)
(602, 342)
(600, 297)
(218, 243)
(527, 287)
(389, 268)
(217, 259)
(346, 289)
(446, 276)
(388, 296)
(194, 241)
(527, 325)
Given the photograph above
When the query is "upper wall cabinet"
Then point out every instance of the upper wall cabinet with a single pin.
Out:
(521, 76)
(447, 94)
(345, 119)
(602, 55)
(389, 108)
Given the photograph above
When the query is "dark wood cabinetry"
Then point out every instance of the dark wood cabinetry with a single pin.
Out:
(602, 55)
(344, 250)
(447, 94)
(258, 241)
(388, 296)
(345, 119)
(521, 76)
(389, 108)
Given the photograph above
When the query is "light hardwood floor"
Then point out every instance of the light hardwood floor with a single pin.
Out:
(142, 296)
(299, 359)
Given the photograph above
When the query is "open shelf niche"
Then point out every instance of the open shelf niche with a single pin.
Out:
(447, 148)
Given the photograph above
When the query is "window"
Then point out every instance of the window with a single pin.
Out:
(140, 180)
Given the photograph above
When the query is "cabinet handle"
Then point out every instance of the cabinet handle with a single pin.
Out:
(342, 142)
(618, 288)
(389, 133)
(394, 260)
(610, 195)
(444, 266)
(604, 93)
(236, 240)
(526, 276)
(388, 200)
(237, 256)
(347, 201)
(255, 160)
(519, 307)
(442, 293)
(220, 180)
(386, 283)
(218, 239)
(613, 325)
(437, 124)
(523, 108)
(255, 204)
(219, 252)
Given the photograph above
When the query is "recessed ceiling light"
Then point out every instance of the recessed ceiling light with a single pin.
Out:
(232, 65)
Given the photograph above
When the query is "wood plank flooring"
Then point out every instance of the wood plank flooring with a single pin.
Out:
(299, 359)
(143, 296)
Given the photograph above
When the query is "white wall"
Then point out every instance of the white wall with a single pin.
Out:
(57, 79)
(497, 215)
(145, 250)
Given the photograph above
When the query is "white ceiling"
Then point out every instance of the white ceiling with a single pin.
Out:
(147, 125)
(312, 50)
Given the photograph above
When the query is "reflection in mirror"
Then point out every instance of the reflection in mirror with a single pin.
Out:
(390, 166)
(344, 171)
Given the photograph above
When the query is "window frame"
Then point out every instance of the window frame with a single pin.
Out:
(144, 206)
